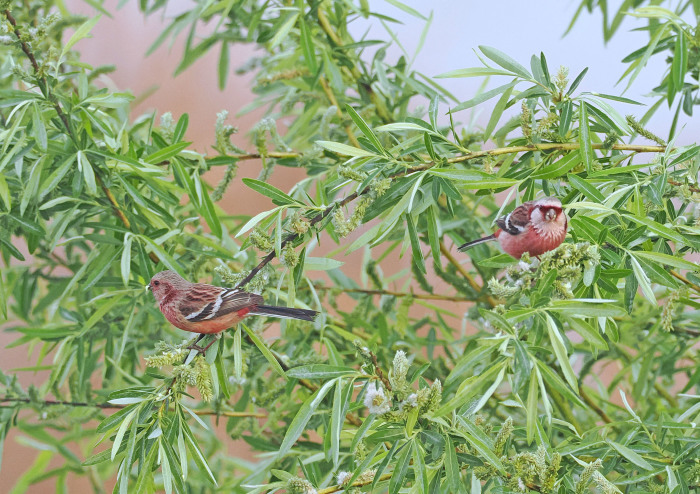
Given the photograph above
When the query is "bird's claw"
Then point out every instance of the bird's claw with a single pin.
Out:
(202, 350)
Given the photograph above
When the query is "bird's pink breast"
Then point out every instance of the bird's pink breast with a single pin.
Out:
(211, 326)
(531, 241)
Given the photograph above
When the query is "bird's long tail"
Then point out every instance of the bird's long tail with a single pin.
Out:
(468, 245)
(284, 312)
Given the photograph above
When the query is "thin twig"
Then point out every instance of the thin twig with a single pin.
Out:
(331, 97)
(108, 406)
(684, 280)
(555, 146)
(692, 188)
(594, 406)
(291, 238)
(418, 296)
(472, 283)
(379, 371)
(358, 483)
(353, 72)
(41, 82)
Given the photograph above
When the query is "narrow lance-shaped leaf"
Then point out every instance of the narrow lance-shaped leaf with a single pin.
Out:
(505, 61)
(557, 340)
(264, 350)
(584, 137)
(364, 128)
(298, 425)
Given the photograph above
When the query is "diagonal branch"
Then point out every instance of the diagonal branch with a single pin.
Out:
(108, 406)
(41, 82)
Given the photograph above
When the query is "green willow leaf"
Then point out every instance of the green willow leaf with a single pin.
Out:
(344, 149)
(472, 179)
(557, 340)
(298, 424)
(631, 455)
(505, 61)
(319, 371)
(485, 96)
(278, 197)
(584, 137)
(364, 128)
(265, 351)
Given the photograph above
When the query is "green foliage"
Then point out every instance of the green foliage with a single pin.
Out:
(578, 370)
(669, 32)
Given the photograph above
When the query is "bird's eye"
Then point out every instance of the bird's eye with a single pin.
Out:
(156, 283)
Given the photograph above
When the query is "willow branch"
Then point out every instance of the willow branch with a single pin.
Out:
(594, 406)
(108, 406)
(481, 154)
(472, 283)
(359, 483)
(294, 236)
(418, 296)
(379, 371)
(692, 188)
(41, 82)
(685, 280)
(555, 146)
(353, 73)
(331, 97)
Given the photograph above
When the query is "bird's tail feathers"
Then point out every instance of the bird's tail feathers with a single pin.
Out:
(284, 312)
(468, 245)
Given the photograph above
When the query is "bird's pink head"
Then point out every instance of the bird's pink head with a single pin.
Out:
(548, 216)
(165, 283)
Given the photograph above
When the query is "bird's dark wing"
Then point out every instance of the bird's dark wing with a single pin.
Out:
(205, 302)
(515, 222)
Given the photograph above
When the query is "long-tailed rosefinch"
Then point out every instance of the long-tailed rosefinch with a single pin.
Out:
(535, 227)
(209, 309)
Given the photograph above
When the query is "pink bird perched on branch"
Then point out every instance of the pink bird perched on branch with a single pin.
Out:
(209, 309)
(535, 227)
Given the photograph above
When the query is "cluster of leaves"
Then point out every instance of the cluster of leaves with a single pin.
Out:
(394, 393)
(669, 32)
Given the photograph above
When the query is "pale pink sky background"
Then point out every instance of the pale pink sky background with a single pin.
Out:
(518, 28)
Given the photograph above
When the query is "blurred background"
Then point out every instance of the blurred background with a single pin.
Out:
(519, 29)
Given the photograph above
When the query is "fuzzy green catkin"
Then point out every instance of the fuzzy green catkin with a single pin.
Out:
(223, 133)
(525, 466)
(669, 309)
(549, 480)
(203, 378)
(344, 227)
(502, 290)
(299, 224)
(587, 475)
(610, 139)
(502, 436)
(644, 132)
(561, 80)
(260, 240)
(367, 476)
(167, 125)
(397, 375)
(604, 484)
(290, 257)
(297, 485)
(351, 173)
(228, 177)
(525, 121)
(573, 262)
(255, 285)
(545, 123)
(166, 354)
